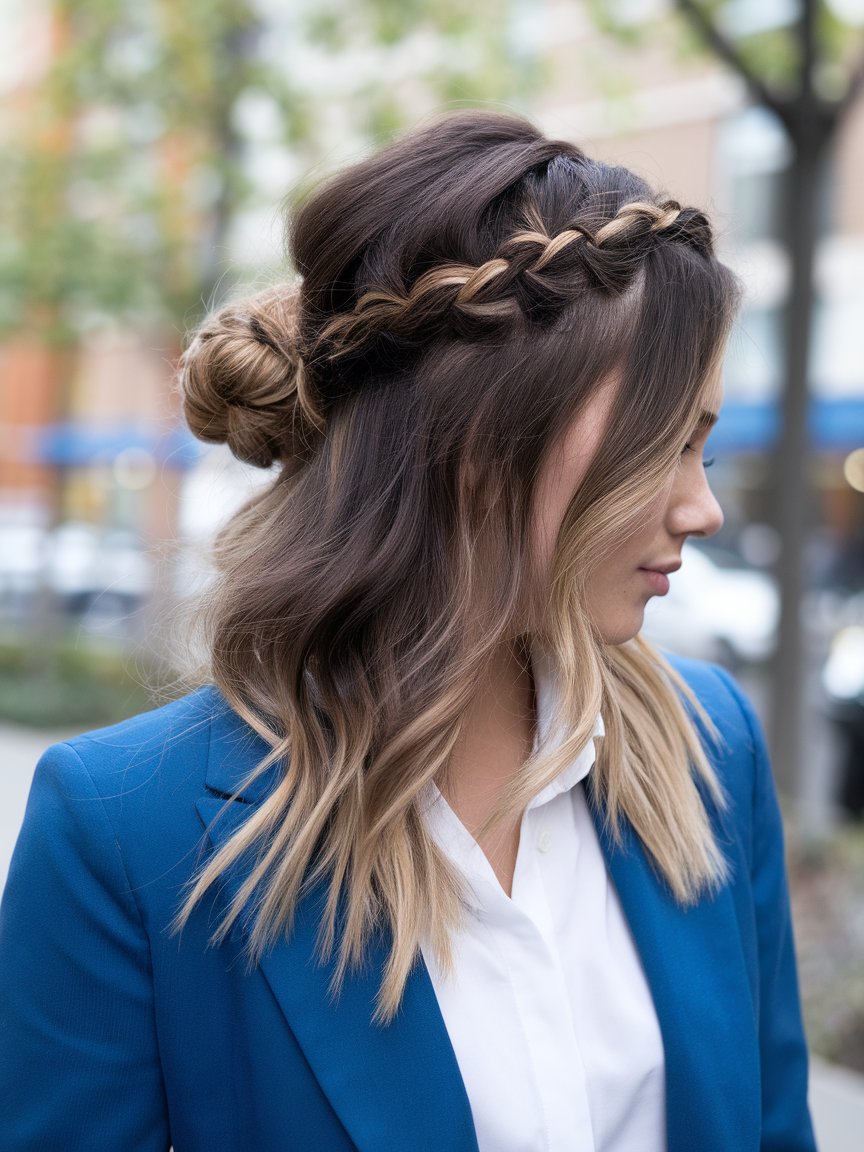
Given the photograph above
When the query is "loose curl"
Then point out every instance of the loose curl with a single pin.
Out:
(461, 296)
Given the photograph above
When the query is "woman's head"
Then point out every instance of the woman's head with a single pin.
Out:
(464, 295)
(480, 387)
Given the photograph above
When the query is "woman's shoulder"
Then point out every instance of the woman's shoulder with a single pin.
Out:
(725, 703)
(172, 739)
(736, 747)
(140, 784)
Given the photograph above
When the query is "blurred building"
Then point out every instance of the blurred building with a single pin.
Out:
(91, 433)
(88, 420)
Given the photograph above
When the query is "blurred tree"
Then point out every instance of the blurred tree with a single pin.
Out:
(803, 62)
(120, 182)
(130, 161)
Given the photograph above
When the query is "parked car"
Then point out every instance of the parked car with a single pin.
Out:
(22, 560)
(90, 572)
(73, 565)
(843, 681)
(22, 556)
(720, 613)
(96, 572)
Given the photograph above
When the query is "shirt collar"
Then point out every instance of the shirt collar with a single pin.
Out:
(546, 683)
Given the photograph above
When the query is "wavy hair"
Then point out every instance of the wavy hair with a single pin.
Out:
(459, 296)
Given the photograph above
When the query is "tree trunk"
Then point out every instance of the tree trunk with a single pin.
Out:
(791, 707)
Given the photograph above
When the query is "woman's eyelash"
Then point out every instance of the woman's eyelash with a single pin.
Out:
(705, 463)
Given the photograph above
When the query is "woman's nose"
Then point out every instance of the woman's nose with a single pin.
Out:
(693, 509)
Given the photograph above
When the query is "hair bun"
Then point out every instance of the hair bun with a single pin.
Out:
(244, 383)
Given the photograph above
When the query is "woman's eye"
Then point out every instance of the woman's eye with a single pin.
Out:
(688, 447)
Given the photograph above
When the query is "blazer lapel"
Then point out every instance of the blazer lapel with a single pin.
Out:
(697, 973)
(391, 1086)
(401, 1083)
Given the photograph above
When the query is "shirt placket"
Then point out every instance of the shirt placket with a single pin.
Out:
(525, 938)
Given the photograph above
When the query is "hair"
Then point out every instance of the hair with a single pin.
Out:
(459, 296)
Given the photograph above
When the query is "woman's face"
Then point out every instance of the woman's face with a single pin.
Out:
(621, 585)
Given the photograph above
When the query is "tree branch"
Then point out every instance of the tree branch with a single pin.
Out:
(727, 52)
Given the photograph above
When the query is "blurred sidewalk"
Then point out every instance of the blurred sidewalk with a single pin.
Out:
(837, 1103)
(836, 1094)
(20, 748)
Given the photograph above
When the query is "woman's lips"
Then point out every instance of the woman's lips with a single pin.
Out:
(658, 581)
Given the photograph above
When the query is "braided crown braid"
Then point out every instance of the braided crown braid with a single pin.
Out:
(531, 276)
(262, 374)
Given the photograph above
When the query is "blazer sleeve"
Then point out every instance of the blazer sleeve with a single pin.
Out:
(79, 1067)
(786, 1123)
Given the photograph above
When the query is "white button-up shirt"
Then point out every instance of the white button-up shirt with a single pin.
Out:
(547, 1008)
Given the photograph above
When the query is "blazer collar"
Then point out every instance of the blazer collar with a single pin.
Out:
(402, 1078)
(234, 750)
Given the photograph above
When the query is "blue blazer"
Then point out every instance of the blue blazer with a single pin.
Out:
(117, 1037)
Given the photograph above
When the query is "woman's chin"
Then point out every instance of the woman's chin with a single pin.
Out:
(619, 631)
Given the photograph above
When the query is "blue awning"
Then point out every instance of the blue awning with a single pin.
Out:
(77, 445)
(836, 425)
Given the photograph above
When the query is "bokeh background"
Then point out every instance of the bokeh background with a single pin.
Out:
(148, 153)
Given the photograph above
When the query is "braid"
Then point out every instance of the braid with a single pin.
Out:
(531, 276)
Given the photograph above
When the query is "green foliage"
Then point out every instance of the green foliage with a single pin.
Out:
(71, 684)
(826, 901)
(771, 54)
(608, 19)
(120, 182)
(773, 57)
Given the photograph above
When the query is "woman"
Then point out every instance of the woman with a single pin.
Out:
(446, 857)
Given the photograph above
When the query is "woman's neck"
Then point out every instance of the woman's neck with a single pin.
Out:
(496, 740)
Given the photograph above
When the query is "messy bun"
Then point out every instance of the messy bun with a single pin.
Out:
(244, 383)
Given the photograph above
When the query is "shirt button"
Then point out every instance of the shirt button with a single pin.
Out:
(544, 841)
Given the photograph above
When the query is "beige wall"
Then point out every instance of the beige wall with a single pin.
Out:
(119, 379)
(677, 159)
(849, 172)
(652, 109)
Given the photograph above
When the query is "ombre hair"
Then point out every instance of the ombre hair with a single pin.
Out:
(459, 296)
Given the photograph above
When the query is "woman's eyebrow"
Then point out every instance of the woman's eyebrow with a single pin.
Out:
(707, 419)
